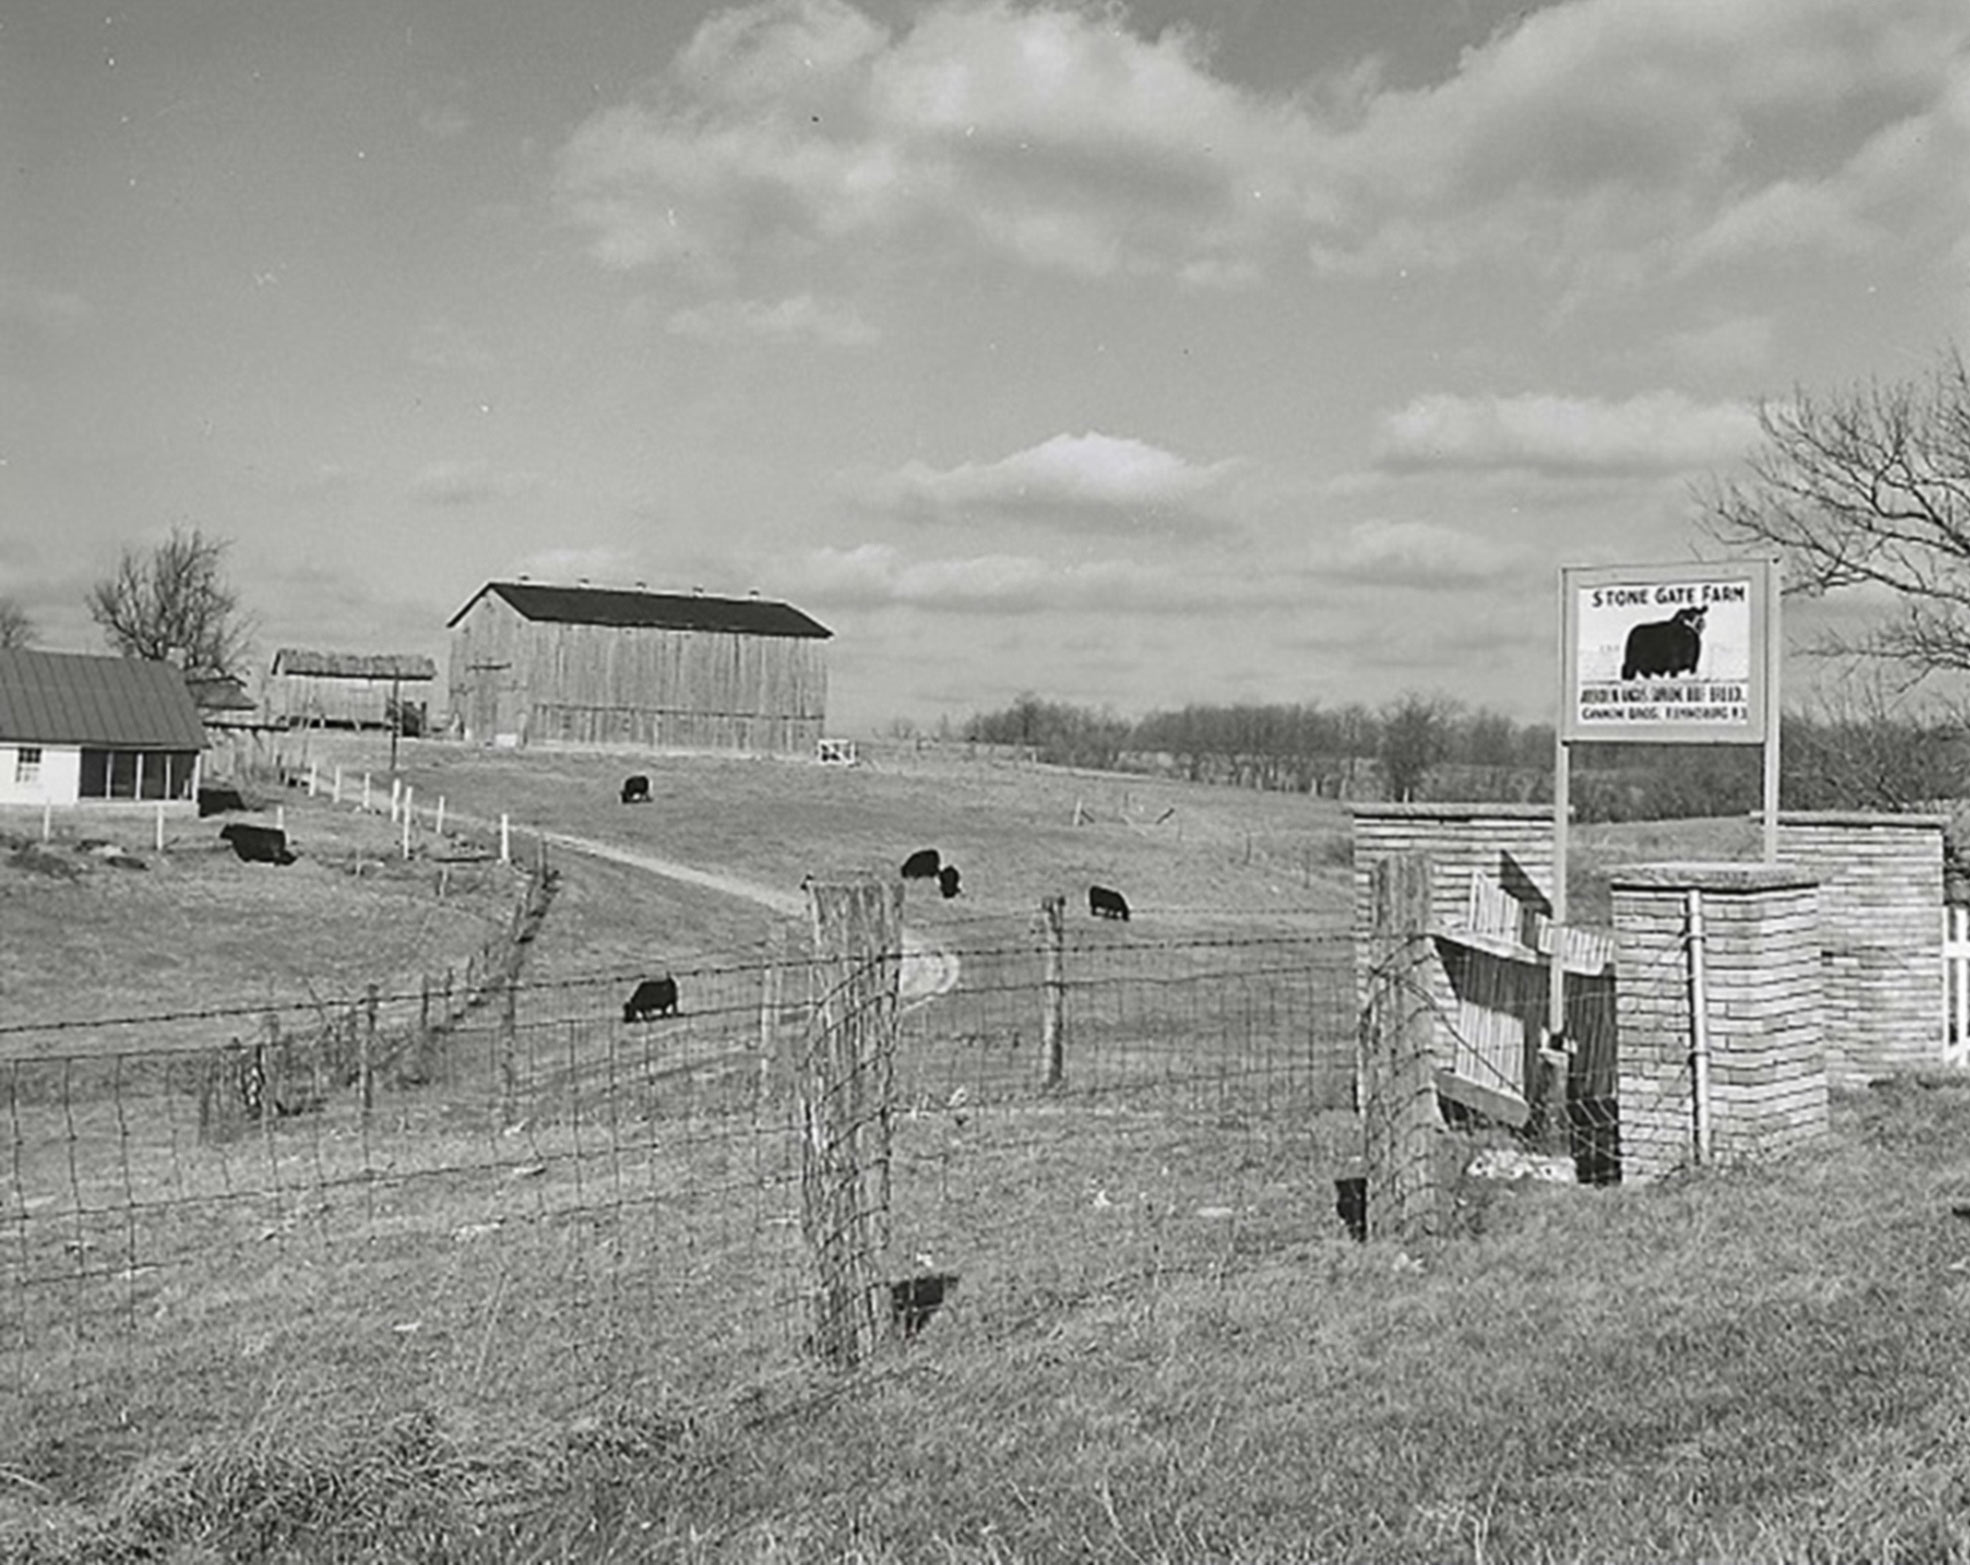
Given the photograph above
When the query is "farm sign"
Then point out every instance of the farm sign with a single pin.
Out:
(1666, 653)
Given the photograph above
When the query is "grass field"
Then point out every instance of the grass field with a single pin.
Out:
(447, 1330)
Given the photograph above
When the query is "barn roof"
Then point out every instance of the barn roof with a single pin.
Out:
(655, 610)
(76, 698)
(354, 665)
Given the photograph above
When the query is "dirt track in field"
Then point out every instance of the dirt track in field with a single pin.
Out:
(928, 969)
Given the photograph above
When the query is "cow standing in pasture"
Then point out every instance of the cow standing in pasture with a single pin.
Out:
(636, 789)
(1104, 903)
(257, 844)
(948, 879)
(653, 997)
(924, 864)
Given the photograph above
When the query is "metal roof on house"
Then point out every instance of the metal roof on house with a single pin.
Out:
(655, 610)
(115, 703)
(354, 665)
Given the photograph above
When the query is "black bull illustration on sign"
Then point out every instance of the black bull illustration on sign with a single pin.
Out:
(1665, 648)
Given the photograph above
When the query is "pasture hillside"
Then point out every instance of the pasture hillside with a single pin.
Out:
(1182, 852)
(98, 924)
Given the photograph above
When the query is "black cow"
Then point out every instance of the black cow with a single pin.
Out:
(947, 881)
(653, 997)
(913, 1300)
(636, 789)
(1351, 1206)
(257, 844)
(219, 801)
(923, 864)
(1103, 903)
(1665, 647)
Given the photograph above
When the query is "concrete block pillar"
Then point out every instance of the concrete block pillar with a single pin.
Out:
(1764, 1013)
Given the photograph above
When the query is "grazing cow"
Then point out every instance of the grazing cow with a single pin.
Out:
(219, 801)
(1351, 1206)
(923, 864)
(257, 844)
(636, 789)
(1103, 903)
(947, 881)
(653, 997)
(913, 1300)
(1666, 647)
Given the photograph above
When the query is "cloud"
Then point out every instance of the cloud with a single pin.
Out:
(1418, 554)
(467, 483)
(1051, 135)
(1081, 482)
(1591, 140)
(879, 576)
(1656, 431)
(781, 320)
(1636, 141)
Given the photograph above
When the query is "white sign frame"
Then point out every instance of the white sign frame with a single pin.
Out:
(1725, 698)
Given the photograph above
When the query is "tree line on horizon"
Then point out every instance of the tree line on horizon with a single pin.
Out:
(1856, 750)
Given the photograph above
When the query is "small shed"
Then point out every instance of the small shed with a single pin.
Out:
(308, 689)
(78, 728)
(606, 667)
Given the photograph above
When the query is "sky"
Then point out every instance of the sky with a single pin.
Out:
(1128, 354)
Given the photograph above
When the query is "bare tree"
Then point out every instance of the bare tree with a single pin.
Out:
(1416, 734)
(1870, 487)
(16, 628)
(172, 604)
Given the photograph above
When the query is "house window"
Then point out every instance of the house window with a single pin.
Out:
(132, 774)
(27, 764)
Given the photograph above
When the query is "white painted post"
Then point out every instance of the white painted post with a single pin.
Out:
(396, 796)
(439, 826)
(335, 797)
(406, 825)
(505, 839)
(365, 790)
(47, 819)
(160, 828)
(280, 817)
(314, 775)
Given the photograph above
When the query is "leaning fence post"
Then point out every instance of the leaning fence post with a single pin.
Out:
(771, 987)
(846, 1080)
(1053, 1014)
(505, 838)
(1400, 1120)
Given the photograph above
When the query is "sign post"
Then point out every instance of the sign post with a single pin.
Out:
(1663, 654)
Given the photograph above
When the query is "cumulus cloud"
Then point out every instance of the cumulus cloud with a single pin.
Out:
(1091, 481)
(779, 320)
(1052, 135)
(1590, 138)
(467, 483)
(1657, 431)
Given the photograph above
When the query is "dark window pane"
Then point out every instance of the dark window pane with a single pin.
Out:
(123, 774)
(95, 774)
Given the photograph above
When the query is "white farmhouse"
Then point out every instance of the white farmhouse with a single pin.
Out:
(76, 729)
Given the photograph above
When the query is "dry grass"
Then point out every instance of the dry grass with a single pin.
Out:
(196, 929)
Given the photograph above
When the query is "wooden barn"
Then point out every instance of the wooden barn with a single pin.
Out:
(80, 729)
(350, 689)
(609, 667)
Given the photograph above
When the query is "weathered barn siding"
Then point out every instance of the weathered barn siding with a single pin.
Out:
(515, 680)
(345, 690)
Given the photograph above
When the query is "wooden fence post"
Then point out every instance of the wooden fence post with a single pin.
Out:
(366, 1054)
(846, 1082)
(772, 995)
(509, 1079)
(1053, 1014)
(1401, 1123)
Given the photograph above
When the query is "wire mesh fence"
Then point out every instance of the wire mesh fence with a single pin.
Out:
(542, 1203)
